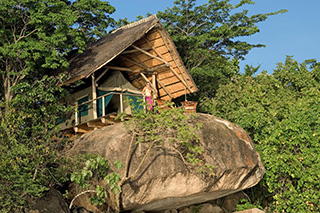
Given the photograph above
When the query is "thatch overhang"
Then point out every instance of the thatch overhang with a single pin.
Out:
(145, 51)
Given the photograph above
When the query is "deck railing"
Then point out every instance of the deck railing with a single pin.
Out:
(78, 121)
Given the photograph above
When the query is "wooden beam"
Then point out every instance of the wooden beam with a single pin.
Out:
(134, 51)
(149, 54)
(154, 49)
(158, 67)
(100, 76)
(139, 59)
(121, 69)
(134, 62)
(165, 89)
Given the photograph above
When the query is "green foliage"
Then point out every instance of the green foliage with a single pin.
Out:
(36, 36)
(173, 129)
(244, 204)
(97, 168)
(208, 38)
(29, 145)
(281, 113)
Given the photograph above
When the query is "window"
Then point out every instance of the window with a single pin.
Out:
(83, 110)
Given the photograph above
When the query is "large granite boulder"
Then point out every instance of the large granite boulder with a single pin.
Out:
(164, 181)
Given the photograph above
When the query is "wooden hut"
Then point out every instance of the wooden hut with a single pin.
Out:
(120, 64)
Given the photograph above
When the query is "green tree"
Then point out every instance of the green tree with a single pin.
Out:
(39, 34)
(208, 38)
(281, 113)
(35, 38)
(29, 145)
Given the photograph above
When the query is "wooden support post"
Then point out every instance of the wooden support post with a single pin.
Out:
(94, 97)
(103, 106)
(76, 121)
(121, 103)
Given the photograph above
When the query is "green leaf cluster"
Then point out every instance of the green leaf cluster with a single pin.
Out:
(281, 113)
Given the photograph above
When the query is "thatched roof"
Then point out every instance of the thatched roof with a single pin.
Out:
(142, 49)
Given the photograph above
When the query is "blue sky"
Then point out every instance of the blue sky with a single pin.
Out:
(295, 33)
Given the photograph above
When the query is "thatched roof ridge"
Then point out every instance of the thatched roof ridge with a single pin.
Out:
(152, 17)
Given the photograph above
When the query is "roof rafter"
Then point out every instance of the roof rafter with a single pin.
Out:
(134, 62)
(121, 69)
(164, 87)
(149, 54)
(134, 51)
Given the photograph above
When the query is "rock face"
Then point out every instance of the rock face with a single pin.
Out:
(164, 181)
(52, 201)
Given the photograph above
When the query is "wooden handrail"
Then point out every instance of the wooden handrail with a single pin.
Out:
(77, 121)
(112, 93)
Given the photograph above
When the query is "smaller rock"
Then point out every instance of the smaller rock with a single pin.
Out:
(230, 201)
(209, 208)
(52, 201)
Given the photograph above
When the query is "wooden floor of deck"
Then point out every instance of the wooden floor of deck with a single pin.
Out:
(91, 125)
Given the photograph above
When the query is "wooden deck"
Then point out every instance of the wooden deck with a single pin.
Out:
(91, 125)
(110, 119)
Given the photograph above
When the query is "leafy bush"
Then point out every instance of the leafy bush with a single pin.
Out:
(29, 145)
(281, 113)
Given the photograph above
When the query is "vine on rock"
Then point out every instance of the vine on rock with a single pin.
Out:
(97, 168)
(170, 128)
